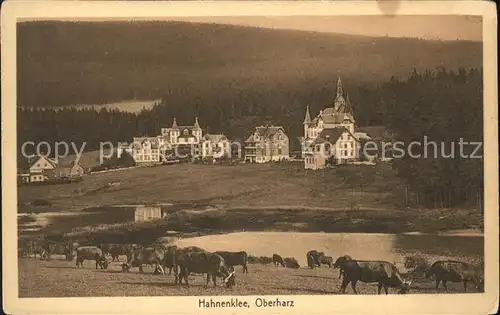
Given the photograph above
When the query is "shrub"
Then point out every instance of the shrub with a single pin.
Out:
(41, 203)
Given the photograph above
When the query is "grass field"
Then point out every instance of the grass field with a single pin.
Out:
(58, 278)
(232, 186)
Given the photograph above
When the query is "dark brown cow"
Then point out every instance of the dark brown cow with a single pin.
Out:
(278, 260)
(368, 271)
(91, 253)
(291, 263)
(456, 271)
(314, 258)
(203, 262)
(235, 259)
(173, 251)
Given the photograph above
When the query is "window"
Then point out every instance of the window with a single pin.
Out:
(186, 132)
(279, 152)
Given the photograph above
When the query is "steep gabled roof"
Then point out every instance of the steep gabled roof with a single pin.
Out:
(331, 135)
(35, 160)
(140, 141)
(268, 131)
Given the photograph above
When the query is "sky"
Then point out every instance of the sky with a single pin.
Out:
(426, 27)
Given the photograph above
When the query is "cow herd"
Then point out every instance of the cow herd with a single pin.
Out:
(220, 264)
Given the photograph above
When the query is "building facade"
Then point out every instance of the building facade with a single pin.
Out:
(153, 150)
(267, 144)
(215, 146)
(330, 138)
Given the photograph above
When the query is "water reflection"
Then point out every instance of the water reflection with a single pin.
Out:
(148, 213)
(358, 245)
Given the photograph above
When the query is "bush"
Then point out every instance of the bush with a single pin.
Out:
(126, 160)
(41, 203)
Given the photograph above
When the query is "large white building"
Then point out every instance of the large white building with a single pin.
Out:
(331, 135)
(179, 141)
(267, 144)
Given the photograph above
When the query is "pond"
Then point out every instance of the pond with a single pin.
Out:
(66, 221)
(390, 247)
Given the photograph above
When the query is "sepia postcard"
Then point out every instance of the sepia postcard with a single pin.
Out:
(234, 157)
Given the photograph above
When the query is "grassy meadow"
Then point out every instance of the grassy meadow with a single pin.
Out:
(250, 185)
(44, 278)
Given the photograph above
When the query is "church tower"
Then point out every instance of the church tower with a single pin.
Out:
(307, 122)
(339, 102)
(197, 130)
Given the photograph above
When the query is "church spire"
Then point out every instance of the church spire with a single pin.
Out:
(174, 124)
(196, 124)
(307, 119)
(340, 89)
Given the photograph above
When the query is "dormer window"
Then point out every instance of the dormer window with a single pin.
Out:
(186, 132)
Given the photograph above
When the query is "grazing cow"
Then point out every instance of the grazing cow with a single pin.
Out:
(338, 263)
(235, 259)
(314, 258)
(91, 253)
(114, 250)
(456, 271)
(291, 263)
(203, 262)
(278, 260)
(326, 260)
(149, 256)
(44, 248)
(368, 271)
(173, 251)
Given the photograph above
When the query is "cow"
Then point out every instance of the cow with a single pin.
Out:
(326, 260)
(278, 260)
(91, 253)
(456, 271)
(291, 263)
(148, 255)
(42, 247)
(314, 258)
(203, 262)
(115, 250)
(173, 251)
(235, 259)
(369, 271)
(338, 263)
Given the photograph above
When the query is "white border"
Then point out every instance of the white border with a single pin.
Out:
(314, 304)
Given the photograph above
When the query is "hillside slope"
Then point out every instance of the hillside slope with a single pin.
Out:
(62, 63)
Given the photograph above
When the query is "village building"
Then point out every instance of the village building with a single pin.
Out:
(266, 144)
(331, 137)
(42, 168)
(152, 150)
(215, 146)
(188, 135)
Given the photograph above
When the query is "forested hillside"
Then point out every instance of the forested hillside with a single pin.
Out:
(210, 65)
